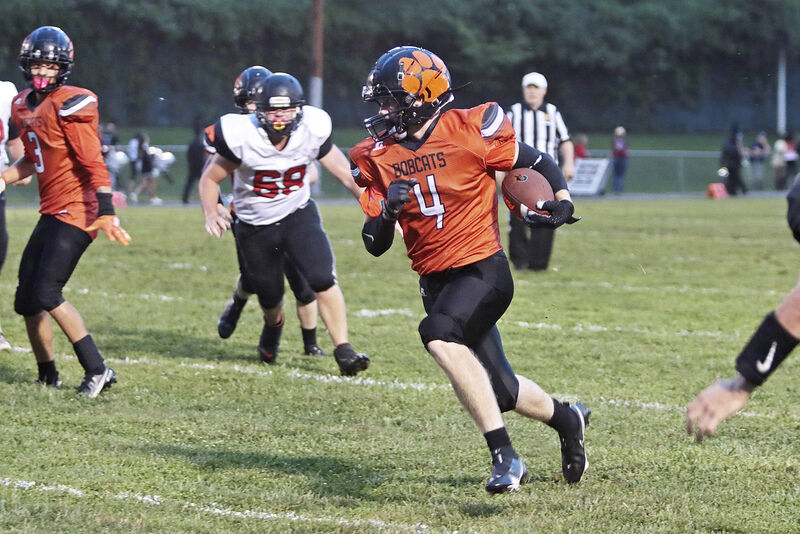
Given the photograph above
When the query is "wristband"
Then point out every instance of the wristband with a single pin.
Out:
(106, 205)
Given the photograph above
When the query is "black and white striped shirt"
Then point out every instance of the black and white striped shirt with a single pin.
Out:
(543, 129)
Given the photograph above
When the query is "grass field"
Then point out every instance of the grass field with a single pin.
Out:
(647, 302)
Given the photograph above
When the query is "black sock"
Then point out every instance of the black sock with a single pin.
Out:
(88, 355)
(309, 336)
(564, 420)
(47, 371)
(271, 337)
(500, 445)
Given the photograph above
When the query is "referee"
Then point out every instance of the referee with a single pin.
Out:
(539, 124)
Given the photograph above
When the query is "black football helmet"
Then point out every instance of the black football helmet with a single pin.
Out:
(400, 78)
(280, 91)
(47, 44)
(249, 83)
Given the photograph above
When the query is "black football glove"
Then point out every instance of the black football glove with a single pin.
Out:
(560, 212)
(397, 195)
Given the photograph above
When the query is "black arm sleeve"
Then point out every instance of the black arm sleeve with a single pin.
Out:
(13, 131)
(378, 235)
(222, 147)
(325, 148)
(541, 162)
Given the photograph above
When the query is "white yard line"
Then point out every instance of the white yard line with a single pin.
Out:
(364, 381)
(214, 509)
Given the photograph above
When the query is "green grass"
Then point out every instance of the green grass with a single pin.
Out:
(646, 303)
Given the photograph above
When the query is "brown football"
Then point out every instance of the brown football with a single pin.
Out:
(523, 188)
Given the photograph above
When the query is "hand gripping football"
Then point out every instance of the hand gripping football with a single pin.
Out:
(523, 188)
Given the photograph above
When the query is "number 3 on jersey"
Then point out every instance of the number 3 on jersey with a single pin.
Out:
(270, 184)
(435, 208)
(38, 165)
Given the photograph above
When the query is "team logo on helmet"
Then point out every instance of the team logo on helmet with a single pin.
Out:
(424, 75)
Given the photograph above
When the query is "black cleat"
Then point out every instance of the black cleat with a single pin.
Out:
(268, 355)
(350, 362)
(230, 316)
(507, 476)
(314, 350)
(573, 453)
(92, 385)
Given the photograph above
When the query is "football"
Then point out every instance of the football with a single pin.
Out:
(523, 188)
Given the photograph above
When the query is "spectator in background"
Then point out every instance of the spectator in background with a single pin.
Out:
(580, 146)
(758, 153)
(619, 158)
(196, 156)
(109, 142)
(149, 172)
(731, 162)
(791, 158)
(136, 165)
(539, 124)
(779, 164)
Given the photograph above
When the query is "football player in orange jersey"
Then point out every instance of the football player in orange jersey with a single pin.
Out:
(58, 125)
(433, 172)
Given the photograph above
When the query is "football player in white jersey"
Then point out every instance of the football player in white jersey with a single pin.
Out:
(268, 152)
(248, 84)
(9, 138)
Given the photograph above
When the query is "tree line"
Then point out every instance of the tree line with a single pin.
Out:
(665, 65)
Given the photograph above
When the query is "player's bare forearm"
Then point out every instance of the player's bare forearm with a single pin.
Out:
(336, 162)
(20, 170)
(213, 174)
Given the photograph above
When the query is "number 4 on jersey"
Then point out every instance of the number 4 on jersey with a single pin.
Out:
(435, 208)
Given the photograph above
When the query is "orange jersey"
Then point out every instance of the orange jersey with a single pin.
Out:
(451, 220)
(60, 139)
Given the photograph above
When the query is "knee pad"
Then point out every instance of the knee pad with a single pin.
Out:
(304, 295)
(322, 283)
(49, 296)
(26, 306)
(267, 302)
(441, 327)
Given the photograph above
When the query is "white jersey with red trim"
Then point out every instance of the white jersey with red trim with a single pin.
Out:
(270, 183)
(7, 93)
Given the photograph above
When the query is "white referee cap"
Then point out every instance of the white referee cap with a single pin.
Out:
(534, 78)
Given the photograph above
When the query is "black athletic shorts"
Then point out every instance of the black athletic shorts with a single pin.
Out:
(474, 296)
(301, 238)
(48, 261)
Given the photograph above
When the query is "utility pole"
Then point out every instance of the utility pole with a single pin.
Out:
(781, 96)
(315, 83)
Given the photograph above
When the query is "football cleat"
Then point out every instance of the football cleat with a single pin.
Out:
(230, 316)
(94, 384)
(350, 362)
(314, 350)
(268, 355)
(573, 453)
(507, 476)
(4, 344)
